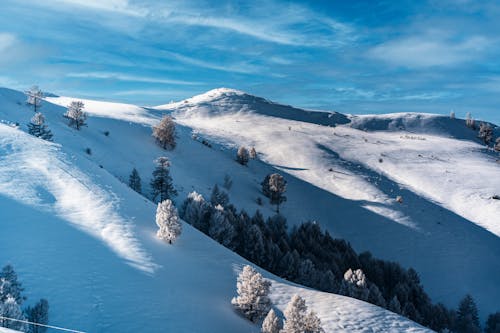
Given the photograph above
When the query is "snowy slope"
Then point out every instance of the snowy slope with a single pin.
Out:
(81, 238)
(448, 222)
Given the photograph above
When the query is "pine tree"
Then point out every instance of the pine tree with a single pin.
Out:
(134, 181)
(164, 133)
(9, 285)
(298, 320)
(76, 115)
(253, 290)
(161, 184)
(394, 305)
(38, 128)
(467, 316)
(11, 309)
(196, 211)
(38, 314)
(167, 221)
(220, 228)
(242, 156)
(312, 323)
(485, 133)
(493, 323)
(219, 197)
(375, 296)
(35, 96)
(277, 186)
(265, 186)
(253, 153)
(271, 323)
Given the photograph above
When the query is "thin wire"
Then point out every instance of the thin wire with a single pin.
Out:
(48, 326)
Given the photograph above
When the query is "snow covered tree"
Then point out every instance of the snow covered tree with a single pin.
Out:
(253, 153)
(38, 128)
(355, 284)
(161, 183)
(11, 309)
(34, 97)
(452, 115)
(242, 156)
(134, 181)
(298, 320)
(271, 324)
(219, 197)
(76, 115)
(38, 314)
(164, 133)
(9, 285)
(253, 290)
(493, 323)
(220, 228)
(196, 211)
(467, 316)
(469, 121)
(497, 144)
(277, 186)
(485, 133)
(168, 222)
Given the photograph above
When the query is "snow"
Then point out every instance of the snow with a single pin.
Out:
(77, 235)
(6, 330)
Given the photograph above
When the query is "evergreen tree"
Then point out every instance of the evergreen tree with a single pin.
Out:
(134, 181)
(34, 97)
(10, 285)
(485, 133)
(11, 309)
(253, 290)
(196, 211)
(277, 187)
(220, 228)
(497, 144)
(38, 314)
(37, 127)
(312, 323)
(375, 296)
(168, 222)
(493, 323)
(265, 186)
(219, 197)
(76, 115)
(242, 156)
(394, 305)
(161, 183)
(271, 324)
(467, 316)
(298, 320)
(164, 133)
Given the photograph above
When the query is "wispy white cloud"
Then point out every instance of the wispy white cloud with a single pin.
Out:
(241, 67)
(430, 50)
(129, 78)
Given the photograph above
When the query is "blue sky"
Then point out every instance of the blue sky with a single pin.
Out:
(349, 56)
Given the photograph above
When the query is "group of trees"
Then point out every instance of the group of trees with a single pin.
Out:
(244, 155)
(310, 256)
(11, 301)
(254, 304)
(161, 184)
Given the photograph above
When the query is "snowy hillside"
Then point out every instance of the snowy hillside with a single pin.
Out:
(447, 225)
(80, 237)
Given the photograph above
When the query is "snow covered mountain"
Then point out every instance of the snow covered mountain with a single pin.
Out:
(80, 237)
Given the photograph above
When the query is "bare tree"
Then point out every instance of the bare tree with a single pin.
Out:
(164, 133)
(76, 115)
(35, 96)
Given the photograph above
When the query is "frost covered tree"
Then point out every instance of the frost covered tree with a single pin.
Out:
(34, 97)
(11, 309)
(167, 220)
(242, 156)
(355, 284)
(253, 153)
(196, 211)
(252, 301)
(485, 133)
(76, 115)
(452, 115)
(37, 127)
(271, 324)
(497, 144)
(218, 197)
(164, 133)
(277, 187)
(10, 285)
(220, 228)
(38, 314)
(161, 183)
(467, 316)
(469, 121)
(298, 320)
(134, 181)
